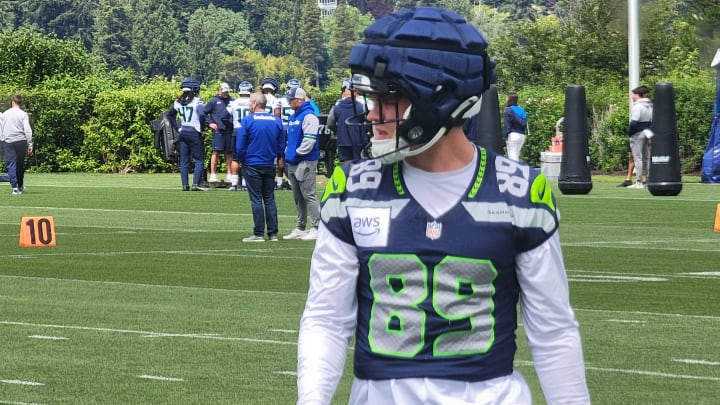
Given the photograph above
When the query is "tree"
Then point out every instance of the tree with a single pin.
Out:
(343, 36)
(491, 22)
(275, 25)
(212, 34)
(343, 30)
(379, 8)
(156, 40)
(111, 34)
(462, 7)
(310, 40)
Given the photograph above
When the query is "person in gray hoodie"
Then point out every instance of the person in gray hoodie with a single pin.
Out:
(639, 132)
(17, 142)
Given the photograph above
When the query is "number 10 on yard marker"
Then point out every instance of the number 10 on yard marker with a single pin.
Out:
(37, 231)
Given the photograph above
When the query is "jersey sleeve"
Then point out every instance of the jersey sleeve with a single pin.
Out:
(529, 199)
(550, 325)
(328, 321)
(310, 127)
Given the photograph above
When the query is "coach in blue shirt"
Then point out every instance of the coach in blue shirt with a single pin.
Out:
(259, 141)
(302, 154)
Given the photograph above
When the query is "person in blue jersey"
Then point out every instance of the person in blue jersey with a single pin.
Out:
(301, 156)
(188, 114)
(260, 143)
(425, 251)
(351, 139)
(220, 122)
(515, 119)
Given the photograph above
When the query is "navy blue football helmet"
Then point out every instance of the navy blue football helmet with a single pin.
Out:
(269, 83)
(190, 83)
(431, 56)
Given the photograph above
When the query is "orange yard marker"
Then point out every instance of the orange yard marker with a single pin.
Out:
(37, 231)
(717, 218)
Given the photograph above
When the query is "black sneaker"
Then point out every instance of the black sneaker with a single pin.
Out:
(625, 183)
(186, 188)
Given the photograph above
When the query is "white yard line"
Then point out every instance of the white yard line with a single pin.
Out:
(21, 382)
(147, 334)
(275, 342)
(698, 362)
(160, 378)
(43, 337)
(141, 285)
(224, 252)
(635, 372)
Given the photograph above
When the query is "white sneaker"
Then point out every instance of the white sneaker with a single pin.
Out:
(213, 178)
(273, 238)
(254, 238)
(637, 185)
(295, 234)
(16, 191)
(310, 234)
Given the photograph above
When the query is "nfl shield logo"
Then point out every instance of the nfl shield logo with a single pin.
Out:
(433, 230)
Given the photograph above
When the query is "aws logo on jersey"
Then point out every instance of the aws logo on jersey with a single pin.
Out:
(370, 226)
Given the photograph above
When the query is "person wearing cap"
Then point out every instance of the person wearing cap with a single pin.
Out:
(428, 253)
(351, 139)
(301, 157)
(220, 122)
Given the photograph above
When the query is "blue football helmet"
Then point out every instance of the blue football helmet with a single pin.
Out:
(434, 58)
(190, 83)
(245, 88)
(269, 83)
(293, 84)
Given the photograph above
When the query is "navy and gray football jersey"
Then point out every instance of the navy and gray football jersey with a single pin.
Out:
(437, 296)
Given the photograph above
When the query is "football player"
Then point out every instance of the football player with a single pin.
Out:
(269, 86)
(424, 252)
(188, 109)
(239, 108)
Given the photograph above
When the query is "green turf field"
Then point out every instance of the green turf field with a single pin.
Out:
(149, 296)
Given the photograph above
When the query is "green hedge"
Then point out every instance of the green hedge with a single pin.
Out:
(102, 124)
(608, 117)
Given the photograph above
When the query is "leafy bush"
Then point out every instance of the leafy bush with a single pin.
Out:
(100, 123)
(118, 137)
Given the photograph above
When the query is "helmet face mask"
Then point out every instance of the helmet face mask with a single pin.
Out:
(433, 58)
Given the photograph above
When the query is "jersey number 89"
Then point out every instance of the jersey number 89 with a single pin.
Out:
(462, 290)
